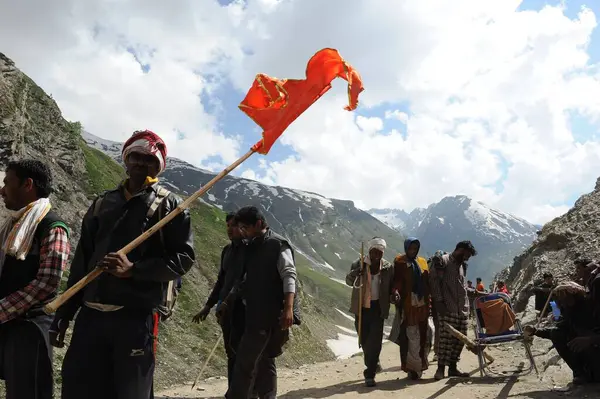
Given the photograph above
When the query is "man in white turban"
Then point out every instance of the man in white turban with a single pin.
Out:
(375, 278)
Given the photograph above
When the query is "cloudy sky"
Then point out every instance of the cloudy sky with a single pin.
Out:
(496, 99)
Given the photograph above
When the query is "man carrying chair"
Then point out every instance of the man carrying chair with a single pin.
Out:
(371, 278)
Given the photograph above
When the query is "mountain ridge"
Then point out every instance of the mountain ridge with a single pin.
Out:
(326, 231)
(498, 236)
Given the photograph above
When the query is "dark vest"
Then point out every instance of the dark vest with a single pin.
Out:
(16, 274)
(263, 287)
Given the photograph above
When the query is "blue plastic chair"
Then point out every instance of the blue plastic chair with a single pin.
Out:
(482, 339)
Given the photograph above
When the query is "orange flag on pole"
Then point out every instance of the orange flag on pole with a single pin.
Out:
(275, 103)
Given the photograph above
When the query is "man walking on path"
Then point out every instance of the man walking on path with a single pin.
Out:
(268, 291)
(33, 254)
(449, 293)
(229, 316)
(411, 329)
(112, 350)
(376, 284)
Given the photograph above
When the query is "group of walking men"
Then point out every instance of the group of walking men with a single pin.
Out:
(418, 288)
(256, 303)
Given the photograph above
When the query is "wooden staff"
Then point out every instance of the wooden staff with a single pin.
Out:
(468, 343)
(360, 289)
(207, 360)
(60, 300)
(545, 307)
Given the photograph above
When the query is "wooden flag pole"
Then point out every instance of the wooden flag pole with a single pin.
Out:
(65, 296)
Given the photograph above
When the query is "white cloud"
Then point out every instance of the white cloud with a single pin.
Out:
(485, 86)
(78, 52)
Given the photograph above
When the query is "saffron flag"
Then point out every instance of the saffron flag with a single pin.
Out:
(275, 103)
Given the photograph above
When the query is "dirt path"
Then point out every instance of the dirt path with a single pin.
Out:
(343, 379)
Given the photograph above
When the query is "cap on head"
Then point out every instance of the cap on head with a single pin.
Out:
(146, 142)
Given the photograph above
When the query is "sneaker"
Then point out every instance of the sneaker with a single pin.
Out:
(379, 368)
(370, 382)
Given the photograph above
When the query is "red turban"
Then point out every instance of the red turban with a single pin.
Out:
(146, 142)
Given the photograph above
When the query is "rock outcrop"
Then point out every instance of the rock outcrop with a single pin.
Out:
(566, 238)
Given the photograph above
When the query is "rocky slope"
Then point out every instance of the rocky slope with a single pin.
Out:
(498, 236)
(326, 231)
(561, 241)
(31, 126)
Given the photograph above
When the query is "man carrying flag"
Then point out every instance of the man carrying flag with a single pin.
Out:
(112, 350)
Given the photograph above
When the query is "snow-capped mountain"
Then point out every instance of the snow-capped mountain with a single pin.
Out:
(328, 232)
(497, 236)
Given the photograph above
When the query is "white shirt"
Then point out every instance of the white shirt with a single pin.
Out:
(375, 286)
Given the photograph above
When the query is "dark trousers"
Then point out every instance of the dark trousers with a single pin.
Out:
(371, 337)
(233, 323)
(24, 361)
(585, 364)
(111, 355)
(436, 333)
(254, 366)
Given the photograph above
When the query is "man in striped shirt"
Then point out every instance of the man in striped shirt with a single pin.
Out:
(35, 249)
(449, 294)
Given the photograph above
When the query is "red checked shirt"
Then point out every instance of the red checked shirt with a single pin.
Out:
(54, 253)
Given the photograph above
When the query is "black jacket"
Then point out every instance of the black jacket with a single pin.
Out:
(231, 270)
(117, 223)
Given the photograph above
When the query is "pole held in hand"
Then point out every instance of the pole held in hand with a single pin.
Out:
(75, 288)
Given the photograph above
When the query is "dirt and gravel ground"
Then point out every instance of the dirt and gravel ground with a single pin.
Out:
(343, 379)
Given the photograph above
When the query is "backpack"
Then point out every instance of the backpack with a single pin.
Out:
(165, 309)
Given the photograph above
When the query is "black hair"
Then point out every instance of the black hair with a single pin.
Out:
(479, 279)
(582, 262)
(468, 246)
(230, 215)
(35, 170)
(469, 282)
(547, 275)
(249, 215)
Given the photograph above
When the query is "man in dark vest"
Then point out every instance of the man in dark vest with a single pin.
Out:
(112, 350)
(229, 316)
(269, 293)
(34, 252)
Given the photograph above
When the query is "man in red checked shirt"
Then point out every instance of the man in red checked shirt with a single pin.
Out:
(33, 253)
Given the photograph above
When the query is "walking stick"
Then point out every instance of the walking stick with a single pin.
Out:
(207, 360)
(360, 290)
(544, 310)
(60, 300)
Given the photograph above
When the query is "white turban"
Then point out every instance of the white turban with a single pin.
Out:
(377, 243)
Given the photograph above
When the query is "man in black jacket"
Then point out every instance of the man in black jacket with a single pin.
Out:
(230, 316)
(269, 293)
(112, 350)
